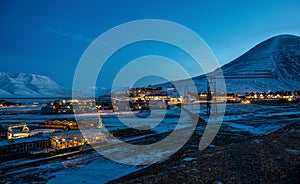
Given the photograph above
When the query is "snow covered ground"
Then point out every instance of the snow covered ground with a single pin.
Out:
(94, 168)
(257, 119)
(98, 171)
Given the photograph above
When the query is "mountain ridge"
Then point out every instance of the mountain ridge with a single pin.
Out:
(30, 85)
(273, 64)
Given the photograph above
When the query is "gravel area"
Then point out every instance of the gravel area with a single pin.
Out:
(273, 158)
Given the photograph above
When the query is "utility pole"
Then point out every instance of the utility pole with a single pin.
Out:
(208, 98)
(211, 97)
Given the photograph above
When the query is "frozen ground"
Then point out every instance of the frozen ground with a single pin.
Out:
(94, 168)
(98, 171)
(257, 119)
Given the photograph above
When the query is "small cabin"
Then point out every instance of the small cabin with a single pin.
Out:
(67, 140)
(18, 131)
(74, 139)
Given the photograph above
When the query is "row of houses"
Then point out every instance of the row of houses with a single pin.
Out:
(50, 143)
(63, 141)
(153, 98)
(67, 106)
(285, 95)
(280, 96)
(156, 97)
(4, 103)
(139, 99)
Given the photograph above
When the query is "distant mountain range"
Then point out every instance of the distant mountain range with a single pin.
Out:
(29, 85)
(273, 65)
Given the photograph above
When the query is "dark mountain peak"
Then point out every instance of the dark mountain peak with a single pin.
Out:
(266, 54)
(273, 64)
(284, 37)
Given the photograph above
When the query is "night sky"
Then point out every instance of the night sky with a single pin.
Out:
(49, 37)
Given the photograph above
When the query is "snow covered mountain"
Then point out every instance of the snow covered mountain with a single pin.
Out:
(29, 85)
(273, 65)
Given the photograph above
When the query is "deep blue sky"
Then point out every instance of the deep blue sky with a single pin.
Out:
(48, 37)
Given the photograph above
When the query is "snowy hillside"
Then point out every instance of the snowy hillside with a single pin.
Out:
(29, 85)
(271, 65)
